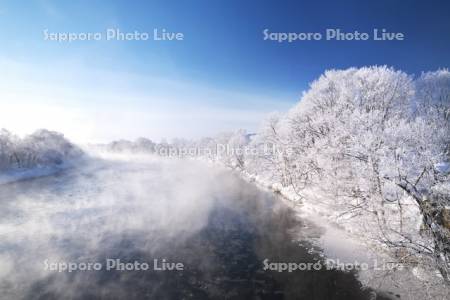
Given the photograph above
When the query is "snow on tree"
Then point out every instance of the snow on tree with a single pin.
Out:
(42, 148)
(371, 139)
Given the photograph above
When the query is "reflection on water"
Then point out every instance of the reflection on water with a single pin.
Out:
(218, 226)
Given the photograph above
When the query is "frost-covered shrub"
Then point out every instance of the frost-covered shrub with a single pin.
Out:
(42, 148)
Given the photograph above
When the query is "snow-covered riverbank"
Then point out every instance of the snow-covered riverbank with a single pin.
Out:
(41, 153)
(346, 240)
(35, 172)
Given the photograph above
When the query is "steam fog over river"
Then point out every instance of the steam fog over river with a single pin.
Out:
(217, 226)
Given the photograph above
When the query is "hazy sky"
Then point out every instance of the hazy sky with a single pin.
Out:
(222, 76)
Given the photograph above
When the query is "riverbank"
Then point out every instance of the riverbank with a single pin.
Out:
(345, 239)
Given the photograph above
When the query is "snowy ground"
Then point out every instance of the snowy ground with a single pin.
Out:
(40, 171)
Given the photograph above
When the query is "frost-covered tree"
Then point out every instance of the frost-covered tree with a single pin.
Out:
(8, 143)
(42, 148)
(371, 139)
(144, 145)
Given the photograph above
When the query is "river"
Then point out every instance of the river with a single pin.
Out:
(218, 227)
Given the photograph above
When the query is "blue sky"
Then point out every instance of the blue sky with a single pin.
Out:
(222, 76)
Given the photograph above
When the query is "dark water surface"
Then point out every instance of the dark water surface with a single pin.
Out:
(218, 226)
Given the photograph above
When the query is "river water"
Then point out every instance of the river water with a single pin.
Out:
(219, 228)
